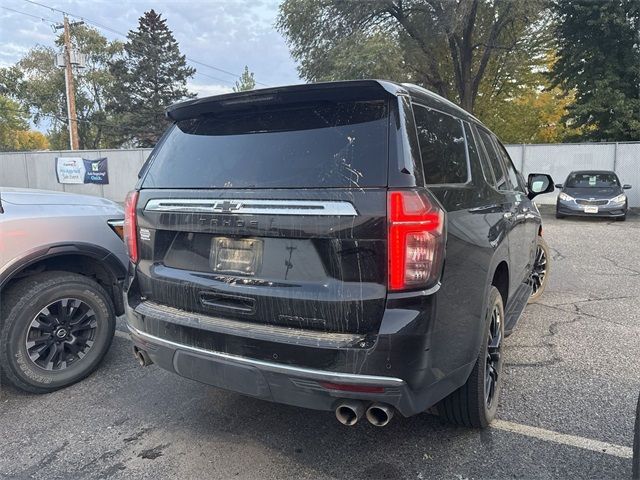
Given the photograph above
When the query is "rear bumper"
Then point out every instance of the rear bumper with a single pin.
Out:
(275, 382)
(285, 376)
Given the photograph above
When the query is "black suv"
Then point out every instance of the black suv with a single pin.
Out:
(361, 247)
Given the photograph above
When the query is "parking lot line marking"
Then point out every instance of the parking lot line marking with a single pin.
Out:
(564, 439)
(121, 334)
(539, 433)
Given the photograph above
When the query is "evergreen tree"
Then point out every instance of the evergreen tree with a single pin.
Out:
(245, 82)
(152, 75)
(599, 58)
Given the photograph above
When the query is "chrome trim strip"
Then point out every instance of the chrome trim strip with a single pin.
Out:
(247, 206)
(276, 333)
(274, 367)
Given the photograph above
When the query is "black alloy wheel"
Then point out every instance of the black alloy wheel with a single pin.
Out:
(540, 271)
(61, 334)
(57, 327)
(493, 363)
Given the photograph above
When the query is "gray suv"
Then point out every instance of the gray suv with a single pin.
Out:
(62, 263)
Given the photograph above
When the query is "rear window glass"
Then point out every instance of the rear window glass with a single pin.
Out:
(313, 145)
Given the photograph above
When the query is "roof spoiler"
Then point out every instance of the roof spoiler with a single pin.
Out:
(329, 91)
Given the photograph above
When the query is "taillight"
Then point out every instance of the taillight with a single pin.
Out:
(131, 225)
(416, 240)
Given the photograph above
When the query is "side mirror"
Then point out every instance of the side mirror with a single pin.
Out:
(626, 187)
(558, 185)
(539, 183)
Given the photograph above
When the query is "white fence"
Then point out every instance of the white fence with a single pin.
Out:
(37, 169)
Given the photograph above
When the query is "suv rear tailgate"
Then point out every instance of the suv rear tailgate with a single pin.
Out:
(297, 258)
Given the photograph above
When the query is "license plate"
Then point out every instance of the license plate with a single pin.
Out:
(236, 256)
(590, 209)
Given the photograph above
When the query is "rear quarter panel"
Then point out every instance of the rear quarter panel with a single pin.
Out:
(475, 245)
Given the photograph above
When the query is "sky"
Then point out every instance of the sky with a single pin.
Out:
(227, 34)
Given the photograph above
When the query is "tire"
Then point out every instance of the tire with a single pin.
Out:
(559, 215)
(636, 446)
(88, 320)
(469, 406)
(540, 273)
(622, 219)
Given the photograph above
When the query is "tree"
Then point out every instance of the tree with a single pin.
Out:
(528, 109)
(599, 58)
(14, 129)
(38, 85)
(152, 75)
(245, 82)
(447, 46)
(535, 116)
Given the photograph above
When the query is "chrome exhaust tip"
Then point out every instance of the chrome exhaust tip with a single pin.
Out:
(142, 357)
(379, 414)
(348, 412)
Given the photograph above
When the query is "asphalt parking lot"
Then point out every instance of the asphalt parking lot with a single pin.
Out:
(567, 410)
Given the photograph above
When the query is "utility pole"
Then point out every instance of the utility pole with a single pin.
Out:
(68, 77)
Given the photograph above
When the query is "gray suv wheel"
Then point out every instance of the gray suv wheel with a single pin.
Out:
(56, 328)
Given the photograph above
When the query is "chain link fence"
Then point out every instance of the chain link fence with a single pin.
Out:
(559, 160)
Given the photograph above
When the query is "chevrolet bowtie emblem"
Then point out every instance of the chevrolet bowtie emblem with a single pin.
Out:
(227, 206)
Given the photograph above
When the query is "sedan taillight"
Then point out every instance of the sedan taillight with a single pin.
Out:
(131, 225)
(416, 240)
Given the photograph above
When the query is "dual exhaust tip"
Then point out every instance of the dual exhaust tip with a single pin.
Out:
(349, 412)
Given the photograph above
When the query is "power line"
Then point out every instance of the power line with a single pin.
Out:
(104, 27)
(53, 22)
(43, 19)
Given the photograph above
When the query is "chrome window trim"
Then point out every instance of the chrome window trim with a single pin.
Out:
(248, 206)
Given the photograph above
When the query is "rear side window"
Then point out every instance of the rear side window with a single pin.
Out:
(442, 146)
(475, 159)
(304, 146)
(514, 178)
(494, 161)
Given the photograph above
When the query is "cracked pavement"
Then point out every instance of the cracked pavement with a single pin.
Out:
(572, 366)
